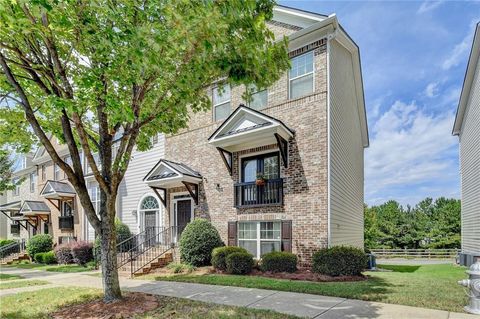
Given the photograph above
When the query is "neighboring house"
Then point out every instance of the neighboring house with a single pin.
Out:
(305, 135)
(467, 127)
(19, 226)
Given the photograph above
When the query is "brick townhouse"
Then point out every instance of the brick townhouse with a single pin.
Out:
(281, 172)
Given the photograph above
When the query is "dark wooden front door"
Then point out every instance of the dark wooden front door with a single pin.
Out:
(149, 224)
(184, 214)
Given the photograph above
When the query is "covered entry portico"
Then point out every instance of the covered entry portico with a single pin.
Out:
(176, 185)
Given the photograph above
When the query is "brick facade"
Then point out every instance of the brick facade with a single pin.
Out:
(305, 178)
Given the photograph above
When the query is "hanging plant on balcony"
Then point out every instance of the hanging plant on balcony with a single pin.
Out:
(260, 181)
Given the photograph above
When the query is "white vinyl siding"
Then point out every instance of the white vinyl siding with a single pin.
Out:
(346, 152)
(221, 102)
(133, 188)
(301, 76)
(470, 170)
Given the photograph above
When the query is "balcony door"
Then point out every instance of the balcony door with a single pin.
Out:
(268, 166)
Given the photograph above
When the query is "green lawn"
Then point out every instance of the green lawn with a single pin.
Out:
(39, 304)
(9, 277)
(21, 283)
(430, 286)
(54, 268)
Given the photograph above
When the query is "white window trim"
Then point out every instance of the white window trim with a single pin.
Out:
(56, 169)
(141, 212)
(258, 239)
(301, 76)
(222, 103)
(173, 214)
(259, 91)
(32, 182)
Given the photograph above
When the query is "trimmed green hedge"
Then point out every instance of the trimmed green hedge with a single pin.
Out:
(40, 243)
(45, 258)
(279, 261)
(239, 263)
(340, 261)
(197, 242)
(5, 242)
(220, 254)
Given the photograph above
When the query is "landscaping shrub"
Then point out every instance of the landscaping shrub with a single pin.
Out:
(38, 258)
(39, 244)
(339, 261)
(81, 252)
(239, 263)
(63, 253)
(197, 242)
(123, 233)
(220, 254)
(279, 261)
(49, 258)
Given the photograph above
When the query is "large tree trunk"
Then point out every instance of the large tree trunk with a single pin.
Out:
(108, 244)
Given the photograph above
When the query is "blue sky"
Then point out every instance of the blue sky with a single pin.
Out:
(414, 56)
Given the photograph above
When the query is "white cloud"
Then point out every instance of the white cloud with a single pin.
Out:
(459, 52)
(409, 148)
(432, 89)
(428, 6)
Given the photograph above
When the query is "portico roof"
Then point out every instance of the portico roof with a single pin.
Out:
(57, 190)
(167, 174)
(31, 207)
(11, 207)
(247, 128)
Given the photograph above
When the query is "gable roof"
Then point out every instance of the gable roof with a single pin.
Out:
(54, 189)
(12, 206)
(245, 122)
(165, 169)
(32, 206)
(468, 81)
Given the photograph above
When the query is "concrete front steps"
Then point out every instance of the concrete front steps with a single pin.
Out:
(155, 263)
(14, 258)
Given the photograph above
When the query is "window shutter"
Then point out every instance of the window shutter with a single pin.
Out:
(287, 235)
(232, 233)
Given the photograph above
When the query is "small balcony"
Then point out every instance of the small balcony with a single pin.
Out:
(249, 194)
(65, 222)
(15, 229)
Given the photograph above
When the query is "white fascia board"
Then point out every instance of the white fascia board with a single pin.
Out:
(314, 32)
(467, 82)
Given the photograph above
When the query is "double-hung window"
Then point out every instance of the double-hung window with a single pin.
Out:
(44, 173)
(33, 182)
(259, 238)
(67, 208)
(259, 98)
(301, 76)
(16, 190)
(221, 102)
(94, 192)
(56, 172)
(69, 162)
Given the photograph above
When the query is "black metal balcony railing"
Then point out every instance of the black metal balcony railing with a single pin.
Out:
(15, 229)
(65, 222)
(250, 194)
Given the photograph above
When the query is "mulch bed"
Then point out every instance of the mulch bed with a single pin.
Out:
(306, 275)
(132, 304)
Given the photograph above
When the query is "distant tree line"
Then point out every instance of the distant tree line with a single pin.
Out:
(429, 224)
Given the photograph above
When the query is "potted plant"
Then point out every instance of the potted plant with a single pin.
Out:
(260, 181)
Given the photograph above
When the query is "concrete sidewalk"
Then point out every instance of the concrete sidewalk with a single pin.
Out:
(302, 305)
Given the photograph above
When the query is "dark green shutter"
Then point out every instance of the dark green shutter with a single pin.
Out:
(232, 233)
(287, 235)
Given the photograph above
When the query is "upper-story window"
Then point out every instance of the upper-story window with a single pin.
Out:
(44, 173)
(221, 102)
(33, 181)
(67, 208)
(56, 172)
(301, 76)
(96, 158)
(259, 98)
(69, 161)
(16, 190)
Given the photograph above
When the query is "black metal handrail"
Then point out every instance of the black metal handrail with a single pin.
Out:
(65, 222)
(10, 249)
(249, 194)
(126, 246)
(151, 247)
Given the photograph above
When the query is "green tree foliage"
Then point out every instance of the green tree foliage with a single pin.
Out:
(430, 224)
(6, 173)
(100, 73)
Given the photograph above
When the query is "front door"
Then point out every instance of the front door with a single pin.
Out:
(150, 221)
(184, 215)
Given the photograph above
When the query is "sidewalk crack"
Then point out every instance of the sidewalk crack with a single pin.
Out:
(256, 301)
(323, 312)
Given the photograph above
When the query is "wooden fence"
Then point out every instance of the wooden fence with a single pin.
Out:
(415, 253)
